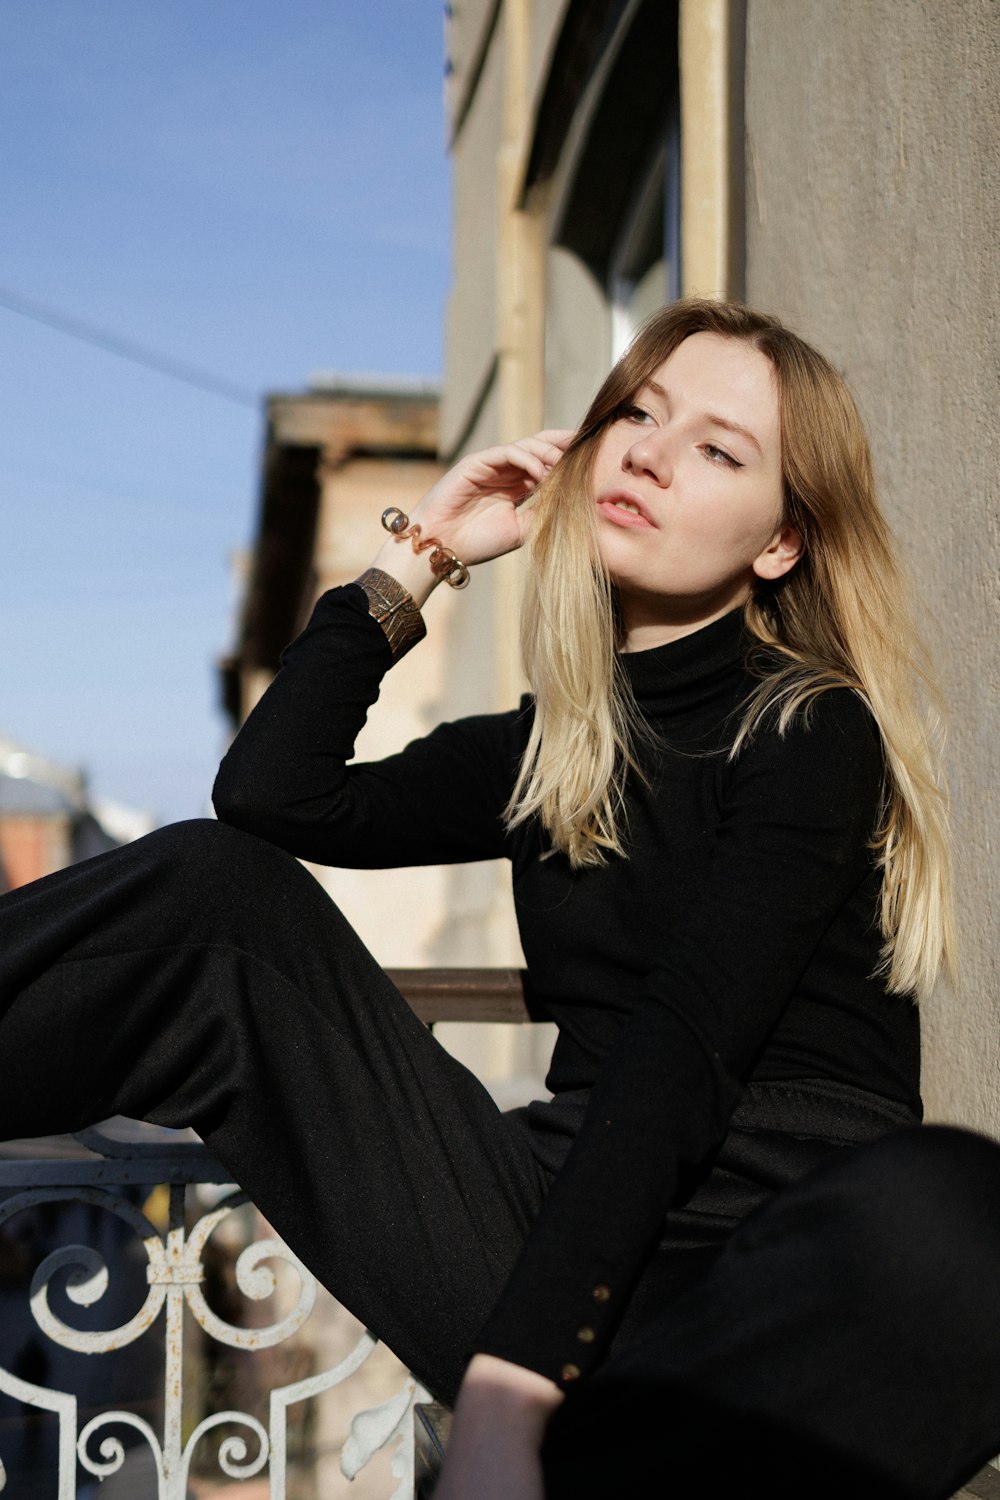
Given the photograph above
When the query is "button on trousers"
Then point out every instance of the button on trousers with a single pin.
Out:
(847, 1335)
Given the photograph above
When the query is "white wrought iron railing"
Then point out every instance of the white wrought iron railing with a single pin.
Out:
(114, 1177)
(106, 1178)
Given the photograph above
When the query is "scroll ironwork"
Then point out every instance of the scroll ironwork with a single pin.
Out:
(174, 1276)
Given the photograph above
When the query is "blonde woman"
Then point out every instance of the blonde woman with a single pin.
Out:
(717, 1254)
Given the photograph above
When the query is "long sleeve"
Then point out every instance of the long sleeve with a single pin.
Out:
(288, 779)
(791, 847)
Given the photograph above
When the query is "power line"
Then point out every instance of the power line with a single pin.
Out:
(139, 354)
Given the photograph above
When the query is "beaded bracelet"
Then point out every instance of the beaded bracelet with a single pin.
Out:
(443, 562)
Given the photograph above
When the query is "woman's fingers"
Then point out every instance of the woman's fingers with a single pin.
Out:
(476, 506)
(556, 437)
(548, 446)
(533, 456)
(513, 467)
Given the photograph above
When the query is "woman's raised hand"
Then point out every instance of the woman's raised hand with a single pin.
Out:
(477, 507)
(476, 510)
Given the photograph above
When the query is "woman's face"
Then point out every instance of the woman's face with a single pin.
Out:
(687, 483)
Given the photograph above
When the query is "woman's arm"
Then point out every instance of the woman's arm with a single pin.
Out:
(287, 778)
(792, 848)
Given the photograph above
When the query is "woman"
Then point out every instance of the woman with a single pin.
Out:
(730, 868)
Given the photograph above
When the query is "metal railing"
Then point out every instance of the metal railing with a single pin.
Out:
(175, 1273)
(115, 1176)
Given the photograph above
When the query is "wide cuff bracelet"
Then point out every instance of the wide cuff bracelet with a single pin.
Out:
(394, 609)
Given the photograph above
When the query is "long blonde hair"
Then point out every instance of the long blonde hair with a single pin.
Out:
(840, 618)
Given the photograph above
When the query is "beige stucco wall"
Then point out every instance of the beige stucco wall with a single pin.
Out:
(711, 198)
(873, 134)
(471, 329)
(492, 392)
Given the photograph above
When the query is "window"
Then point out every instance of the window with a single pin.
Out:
(644, 269)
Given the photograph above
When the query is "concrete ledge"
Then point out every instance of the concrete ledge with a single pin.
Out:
(984, 1486)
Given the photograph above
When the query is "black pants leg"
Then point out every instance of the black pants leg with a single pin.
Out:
(845, 1343)
(202, 977)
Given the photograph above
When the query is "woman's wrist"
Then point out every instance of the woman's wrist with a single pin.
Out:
(498, 1387)
(392, 608)
(412, 569)
(399, 582)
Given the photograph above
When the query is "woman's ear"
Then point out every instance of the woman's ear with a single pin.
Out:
(781, 554)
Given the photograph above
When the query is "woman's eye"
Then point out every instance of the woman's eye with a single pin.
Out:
(720, 456)
(632, 413)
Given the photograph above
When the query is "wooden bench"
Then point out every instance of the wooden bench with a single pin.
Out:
(464, 994)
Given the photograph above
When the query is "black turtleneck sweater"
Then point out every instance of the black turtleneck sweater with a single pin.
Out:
(737, 942)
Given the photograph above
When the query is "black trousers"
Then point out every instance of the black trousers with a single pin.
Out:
(844, 1339)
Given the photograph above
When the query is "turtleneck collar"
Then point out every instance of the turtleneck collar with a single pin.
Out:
(696, 671)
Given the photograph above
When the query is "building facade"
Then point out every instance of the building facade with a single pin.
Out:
(835, 164)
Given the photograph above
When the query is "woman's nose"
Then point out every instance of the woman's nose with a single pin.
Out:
(650, 455)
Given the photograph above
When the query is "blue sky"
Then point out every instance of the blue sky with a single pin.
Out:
(253, 188)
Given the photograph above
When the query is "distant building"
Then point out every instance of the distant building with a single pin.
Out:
(48, 820)
(334, 459)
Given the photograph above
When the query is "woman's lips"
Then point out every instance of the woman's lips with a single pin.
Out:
(624, 510)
